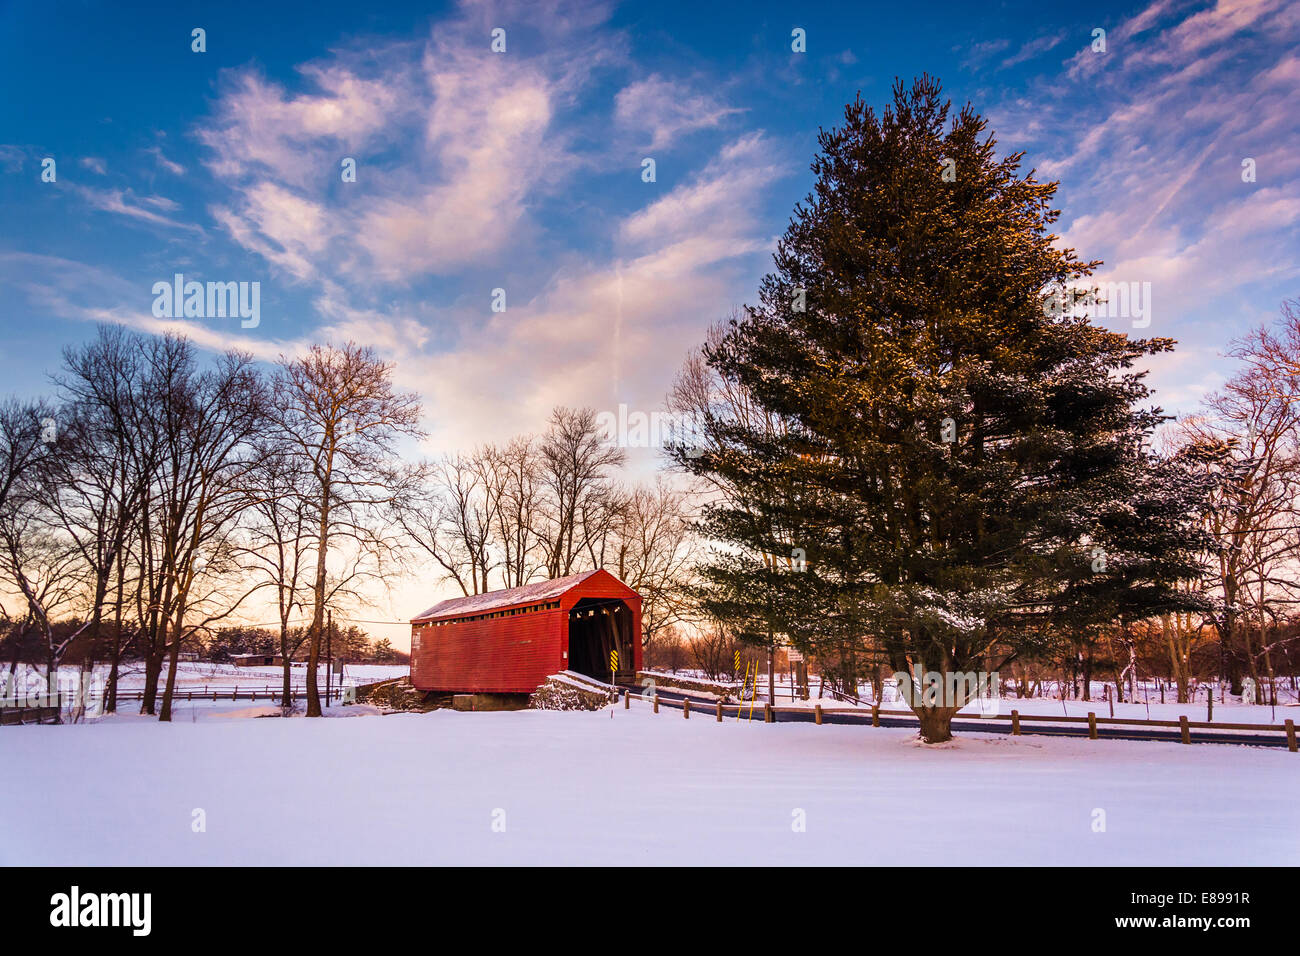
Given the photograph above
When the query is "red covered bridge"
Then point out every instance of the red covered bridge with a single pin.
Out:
(509, 642)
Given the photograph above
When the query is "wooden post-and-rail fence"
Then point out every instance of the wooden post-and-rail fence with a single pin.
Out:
(221, 693)
(1285, 730)
(51, 707)
(28, 715)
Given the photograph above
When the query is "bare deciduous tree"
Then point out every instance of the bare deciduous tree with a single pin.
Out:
(280, 542)
(37, 562)
(339, 413)
(575, 465)
(1253, 518)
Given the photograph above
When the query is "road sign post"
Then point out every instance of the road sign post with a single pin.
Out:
(613, 675)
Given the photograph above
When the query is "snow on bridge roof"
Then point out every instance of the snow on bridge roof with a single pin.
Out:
(510, 597)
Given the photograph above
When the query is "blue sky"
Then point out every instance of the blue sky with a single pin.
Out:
(522, 170)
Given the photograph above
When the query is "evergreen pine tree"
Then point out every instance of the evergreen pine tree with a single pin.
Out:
(952, 449)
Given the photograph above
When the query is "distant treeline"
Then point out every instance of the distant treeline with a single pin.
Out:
(350, 644)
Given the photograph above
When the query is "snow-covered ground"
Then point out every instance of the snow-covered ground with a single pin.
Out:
(574, 787)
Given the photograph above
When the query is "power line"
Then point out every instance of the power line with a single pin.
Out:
(307, 620)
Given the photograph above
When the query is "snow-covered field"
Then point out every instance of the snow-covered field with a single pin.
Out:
(539, 787)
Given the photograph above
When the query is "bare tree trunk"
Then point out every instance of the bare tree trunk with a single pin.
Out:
(1179, 655)
(1252, 666)
(936, 723)
(286, 695)
(51, 673)
(771, 672)
(318, 612)
(152, 671)
(172, 658)
(110, 692)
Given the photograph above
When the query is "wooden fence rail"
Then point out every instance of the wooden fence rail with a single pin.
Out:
(218, 694)
(28, 715)
(48, 713)
(1017, 719)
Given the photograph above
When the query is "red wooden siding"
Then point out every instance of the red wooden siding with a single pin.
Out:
(504, 651)
(486, 657)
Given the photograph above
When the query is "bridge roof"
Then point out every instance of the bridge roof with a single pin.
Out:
(513, 597)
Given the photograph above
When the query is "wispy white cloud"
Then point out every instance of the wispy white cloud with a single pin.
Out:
(124, 202)
(455, 148)
(64, 288)
(1149, 140)
(665, 110)
(474, 133)
(164, 163)
(1034, 48)
(615, 331)
(486, 146)
(11, 157)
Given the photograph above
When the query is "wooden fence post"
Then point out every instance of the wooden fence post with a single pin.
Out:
(875, 715)
(1182, 724)
(1290, 735)
(1015, 723)
(719, 710)
(1092, 725)
(1209, 707)
(817, 714)
(627, 701)
(686, 708)
(654, 700)
(768, 716)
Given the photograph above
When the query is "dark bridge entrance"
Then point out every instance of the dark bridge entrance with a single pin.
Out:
(596, 627)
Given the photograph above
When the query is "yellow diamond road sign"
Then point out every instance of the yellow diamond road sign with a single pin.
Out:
(613, 660)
